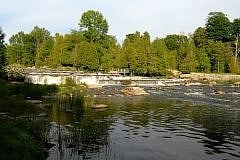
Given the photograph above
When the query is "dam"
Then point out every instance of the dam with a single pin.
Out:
(99, 79)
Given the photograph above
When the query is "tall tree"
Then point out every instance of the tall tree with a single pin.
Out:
(54, 59)
(174, 41)
(110, 60)
(200, 37)
(43, 52)
(219, 27)
(137, 50)
(203, 60)
(39, 36)
(94, 25)
(85, 56)
(189, 61)
(220, 56)
(21, 49)
(2, 51)
(159, 58)
(236, 32)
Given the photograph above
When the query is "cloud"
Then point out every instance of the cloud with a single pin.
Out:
(158, 17)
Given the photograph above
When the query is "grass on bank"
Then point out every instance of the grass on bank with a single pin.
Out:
(22, 139)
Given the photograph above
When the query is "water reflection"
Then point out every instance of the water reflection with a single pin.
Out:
(143, 128)
(77, 132)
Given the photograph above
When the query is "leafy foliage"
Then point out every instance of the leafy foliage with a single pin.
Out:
(15, 72)
(94, 25)
(213, 48)
(219, 27)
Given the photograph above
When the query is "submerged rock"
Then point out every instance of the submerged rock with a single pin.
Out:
(134, 91)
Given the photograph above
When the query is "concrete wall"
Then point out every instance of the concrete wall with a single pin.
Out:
(211, 77)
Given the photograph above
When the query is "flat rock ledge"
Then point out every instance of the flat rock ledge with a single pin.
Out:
(133, 91)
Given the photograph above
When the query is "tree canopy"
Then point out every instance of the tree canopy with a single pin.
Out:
(213, 48)
(219, 27)
(94, 25)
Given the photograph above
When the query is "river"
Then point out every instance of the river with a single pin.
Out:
(176, 123)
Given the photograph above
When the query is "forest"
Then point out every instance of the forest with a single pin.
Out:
(213, 48)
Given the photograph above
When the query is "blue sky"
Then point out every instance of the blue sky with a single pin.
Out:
(158, 17)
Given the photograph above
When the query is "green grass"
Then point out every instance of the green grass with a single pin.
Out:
(21, 140)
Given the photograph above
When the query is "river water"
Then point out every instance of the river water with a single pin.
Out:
(177, 123)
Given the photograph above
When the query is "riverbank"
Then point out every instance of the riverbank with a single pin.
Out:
(22, 135)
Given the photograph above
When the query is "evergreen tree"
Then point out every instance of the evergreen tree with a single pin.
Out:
(85, 56)
(43, 52)
(189, 62)
(203, 61)
(220, 56)
(21, 49)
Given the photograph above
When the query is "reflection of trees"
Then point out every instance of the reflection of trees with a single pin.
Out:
(212, 126)
(221, 125)
(80, 131)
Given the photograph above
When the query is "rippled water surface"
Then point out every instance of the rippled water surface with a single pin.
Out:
(142, 128)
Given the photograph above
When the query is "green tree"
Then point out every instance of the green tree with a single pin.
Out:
(39, 36)
(43, 52)
(189, 62)
(2, 51)
(63, 49)
(136, 48)
(174, 41)
(204, 64)
(21, 49)
(220, 56)
(219, 27)
(236, 32)
(94, 25)
(159, 58)
(110, 60)
(200, 37)
(85, 56)
(54, 59)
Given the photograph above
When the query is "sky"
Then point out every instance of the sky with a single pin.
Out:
(158, 17)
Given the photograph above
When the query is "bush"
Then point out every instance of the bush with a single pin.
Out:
(15, 72)
(70, 82)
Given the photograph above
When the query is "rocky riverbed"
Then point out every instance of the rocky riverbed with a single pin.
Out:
(223, 95)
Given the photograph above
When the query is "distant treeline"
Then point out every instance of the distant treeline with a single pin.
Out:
(213, 48)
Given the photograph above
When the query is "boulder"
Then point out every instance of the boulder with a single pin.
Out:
(219, 92)
(133, 91)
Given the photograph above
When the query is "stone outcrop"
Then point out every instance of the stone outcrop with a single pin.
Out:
(133, 91)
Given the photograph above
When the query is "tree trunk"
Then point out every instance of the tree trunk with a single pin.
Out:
(236, 49)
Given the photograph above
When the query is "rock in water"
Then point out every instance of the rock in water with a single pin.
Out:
(219, 92)
(133, 91)
(99, 106)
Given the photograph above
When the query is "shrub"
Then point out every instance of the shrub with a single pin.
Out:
(15, 72)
